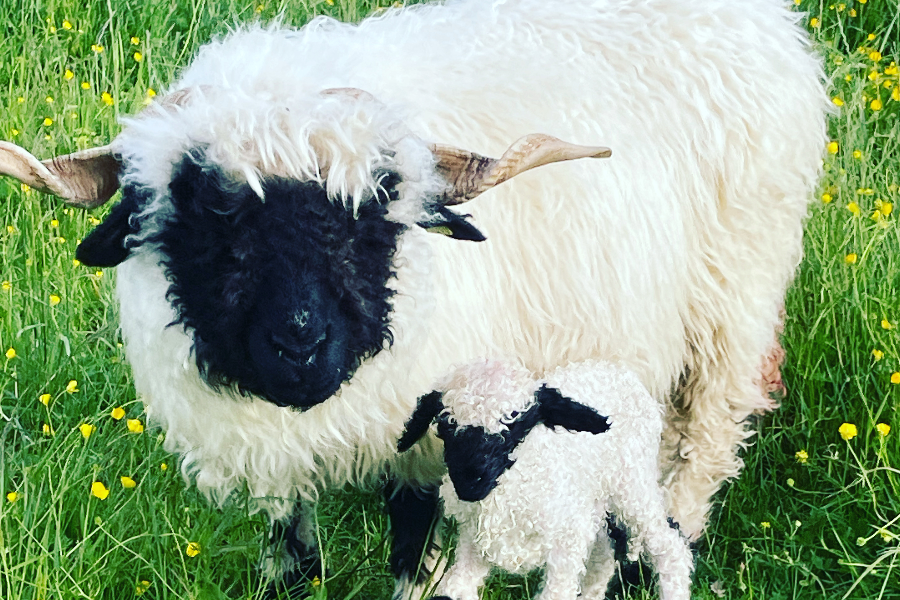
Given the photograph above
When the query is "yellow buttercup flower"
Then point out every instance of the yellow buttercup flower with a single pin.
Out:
(135, 40)
(48, 122)
(72, 386)
(86, 430)
(833, 147)
(885, 324)
(138, 57)
(67, 25)
(117, 413)
(876, 104)
(895, 94)
(193, 549)
(98, 490)
(47, 430)
(68, 74)
(143, 586)
(54, 299)
(76, 262)
(826, 198)
(850, 259)
(814, 22)
(886, 208)
(11, 353)
(12, 497)
(765, 525)
(837, 101)
(163, 467)
(895, 378)
(853, 207)
(877, 354)
(5, 286)
(151, 92)
(97, 48)
(883, 429)
(857, 154)
(107, 98)
(135, 425)
(98, 274)
(875, 56)
(847, 431)
(127, 482)
(45, 399)
(801, 456)
(85, 85)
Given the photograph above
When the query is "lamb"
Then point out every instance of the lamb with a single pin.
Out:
(309, 324)
(529, 496)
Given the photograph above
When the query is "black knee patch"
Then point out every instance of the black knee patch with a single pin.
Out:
(413, 513)
(306, 562)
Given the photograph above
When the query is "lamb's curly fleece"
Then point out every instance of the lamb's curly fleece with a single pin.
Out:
(549, 509)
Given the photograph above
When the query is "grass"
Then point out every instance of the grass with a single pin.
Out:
(812, 516)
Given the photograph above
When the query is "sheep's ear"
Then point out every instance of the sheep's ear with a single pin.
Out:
(429, 406)
(558, 410)
(105, 245)
(447, 222)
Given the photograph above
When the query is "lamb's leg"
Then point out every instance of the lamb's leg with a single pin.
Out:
(468, 572)
(415, 516)
(601, 566)
(672, 559)
(292, 556)
(566, 565)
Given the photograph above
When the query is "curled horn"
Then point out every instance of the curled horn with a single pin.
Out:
(471, 174)
(86, 179)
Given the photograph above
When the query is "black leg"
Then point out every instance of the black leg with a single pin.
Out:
(414, 515)
(292, 557)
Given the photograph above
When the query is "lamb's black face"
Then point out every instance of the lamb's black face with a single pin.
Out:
(285, 297)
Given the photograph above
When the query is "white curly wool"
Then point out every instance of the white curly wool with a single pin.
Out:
(671, 258)
(549, 508)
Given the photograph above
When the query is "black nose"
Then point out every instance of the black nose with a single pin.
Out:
(298, 348)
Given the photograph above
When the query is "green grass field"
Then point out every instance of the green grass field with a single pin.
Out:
(92, 507)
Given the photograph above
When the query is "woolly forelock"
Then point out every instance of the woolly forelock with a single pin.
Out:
(487, 394)
(673, 254)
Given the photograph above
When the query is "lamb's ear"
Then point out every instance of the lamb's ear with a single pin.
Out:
(429, 406)
(446, 222)
(557, 409)
(105, 245)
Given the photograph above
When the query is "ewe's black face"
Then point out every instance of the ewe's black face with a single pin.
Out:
(284, 297)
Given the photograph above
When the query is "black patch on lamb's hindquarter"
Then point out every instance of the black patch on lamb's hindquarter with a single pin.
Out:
(284, 297)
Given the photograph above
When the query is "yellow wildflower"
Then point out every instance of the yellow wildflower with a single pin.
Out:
(876, 104)
(886, 208)
(135, 425)
(801, 456)
(12, 497)
(885, 324)
(193, 549)
(68, 74)
(163, 467)
(45, 399)
(98, 490)
(765, 525)
(14, 131)
(316, 582)
(850, 259)
(72, 386)
(837, 101)
(814, 22)
(127, 482)
(259, 8)
(107, 98)
(895, 378)
(47, 430)
(117, 413)
(86, 430)
(877, 354)
(883, 429)
(833, 147)
(67, 25)
(11, 353)
(76, 262)
(143, 586)
(151, 92)
(852, 12)
(48, 122)
(875, 56)
(52, 29)
(54, 223)
(85, 85)
(847, 431)
(138, 57)
(895, 94)
(857, 154)
(891, 69)
(853, 207)
(6, 286)
(54, 299)
(790, 482)
(135, 40)
(98, 274)
(826, 198)
(848, 77)
(97, 48)
(49, 99)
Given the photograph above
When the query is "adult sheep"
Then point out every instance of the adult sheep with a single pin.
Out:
(671, 258)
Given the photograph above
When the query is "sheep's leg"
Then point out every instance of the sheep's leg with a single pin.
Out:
(469, 570)
(292, 556)
(414, 515)
(566, 565)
